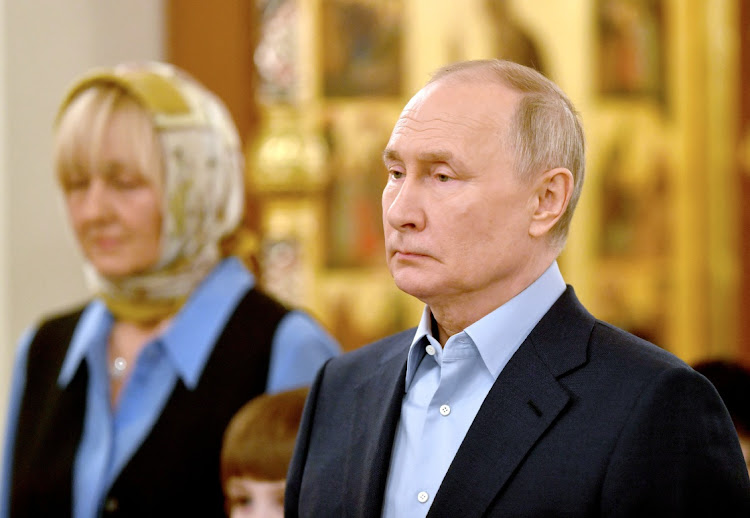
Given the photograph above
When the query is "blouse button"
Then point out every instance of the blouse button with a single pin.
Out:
(111, 505)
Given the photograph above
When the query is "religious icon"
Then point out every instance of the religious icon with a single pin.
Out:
(361, 47)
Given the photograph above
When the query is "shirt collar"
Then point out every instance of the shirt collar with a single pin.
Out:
(499, 334)
(93, 328)
(189, 339)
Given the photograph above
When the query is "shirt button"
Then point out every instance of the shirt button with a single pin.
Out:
(430, 350)
(445, 410)
(423, 497)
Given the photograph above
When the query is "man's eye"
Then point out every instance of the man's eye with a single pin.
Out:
(396, 175)
(443, 178)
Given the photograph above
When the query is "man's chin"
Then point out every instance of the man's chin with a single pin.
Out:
(417, 288)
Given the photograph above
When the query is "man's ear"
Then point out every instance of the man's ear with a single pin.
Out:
(552, 195)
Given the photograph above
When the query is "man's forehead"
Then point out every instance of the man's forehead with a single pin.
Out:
(482, 103)
(420, 128)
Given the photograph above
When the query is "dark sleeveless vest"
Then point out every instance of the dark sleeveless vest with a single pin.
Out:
(175, 472)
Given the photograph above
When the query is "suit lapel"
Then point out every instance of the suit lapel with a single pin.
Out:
(377, 412)
(517, 410)
(524, 401)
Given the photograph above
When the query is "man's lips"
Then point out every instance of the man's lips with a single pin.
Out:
(408, 254)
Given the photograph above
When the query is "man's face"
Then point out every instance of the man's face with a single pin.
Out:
(455, 216)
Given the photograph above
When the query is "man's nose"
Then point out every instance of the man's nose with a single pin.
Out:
(403, 206)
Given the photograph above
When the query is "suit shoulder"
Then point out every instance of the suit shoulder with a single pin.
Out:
(631, 352)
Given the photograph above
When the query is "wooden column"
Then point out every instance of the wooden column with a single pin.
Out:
(743, 179)
(215, 41)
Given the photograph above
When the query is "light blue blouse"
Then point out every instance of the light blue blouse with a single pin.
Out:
(110, 438)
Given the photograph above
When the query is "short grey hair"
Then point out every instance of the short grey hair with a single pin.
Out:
(545, 131)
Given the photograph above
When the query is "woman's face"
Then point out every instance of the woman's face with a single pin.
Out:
(114, 206)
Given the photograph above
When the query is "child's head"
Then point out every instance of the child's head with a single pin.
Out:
(255, 455)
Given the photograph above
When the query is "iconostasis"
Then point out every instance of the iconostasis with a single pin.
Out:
(654, 245)
(330, 87)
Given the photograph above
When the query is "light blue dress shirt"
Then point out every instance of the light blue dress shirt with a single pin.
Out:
(445, 388)
(299, 347)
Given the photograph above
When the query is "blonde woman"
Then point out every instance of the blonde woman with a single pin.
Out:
(119, 406)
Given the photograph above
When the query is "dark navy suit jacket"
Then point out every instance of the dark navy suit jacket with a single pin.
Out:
(585, 420)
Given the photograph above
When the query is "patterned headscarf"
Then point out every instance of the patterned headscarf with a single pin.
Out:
(203, 186)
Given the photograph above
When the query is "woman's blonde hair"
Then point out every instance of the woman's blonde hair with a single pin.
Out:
(82, 129)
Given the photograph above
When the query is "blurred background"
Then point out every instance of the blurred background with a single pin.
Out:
(658, 244)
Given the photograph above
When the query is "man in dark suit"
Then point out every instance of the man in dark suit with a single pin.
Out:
(509, 398)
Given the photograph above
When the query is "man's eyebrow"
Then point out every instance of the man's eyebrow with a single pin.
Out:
(435, 156)
(390, 155)
(429, 156)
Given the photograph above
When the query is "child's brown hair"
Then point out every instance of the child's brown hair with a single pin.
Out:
(259, 440)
